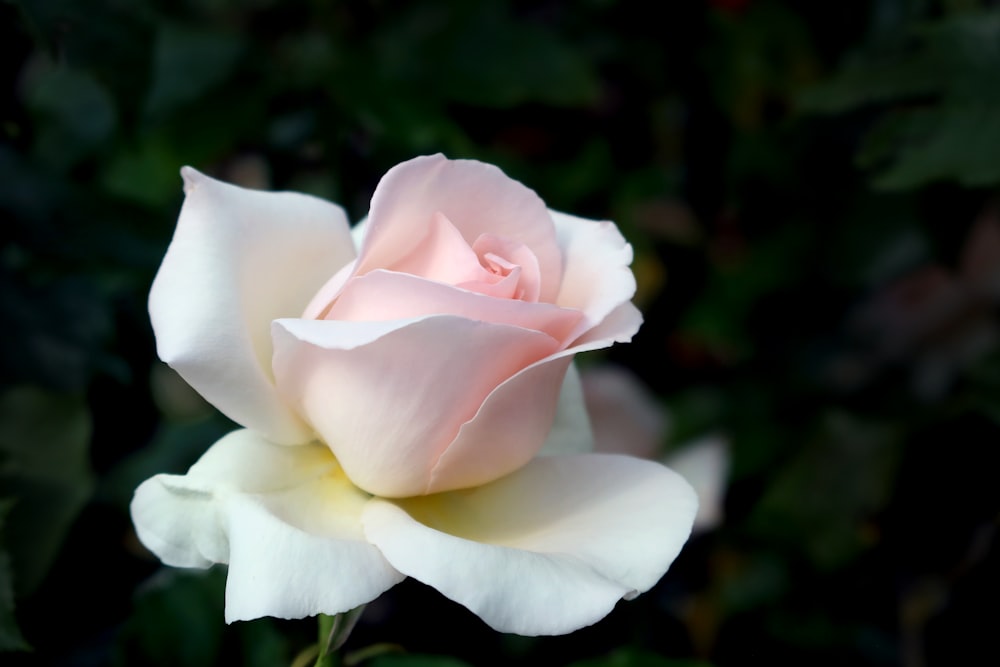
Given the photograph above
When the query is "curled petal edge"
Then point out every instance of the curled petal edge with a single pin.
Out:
(225, 276)
(548, 549)
(286, 559)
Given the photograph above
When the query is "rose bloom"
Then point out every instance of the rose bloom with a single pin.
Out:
(408, 400)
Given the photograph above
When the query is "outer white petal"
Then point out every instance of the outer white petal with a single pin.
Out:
(548, 549)
(618, 326)
(284, 518)
(238, 260)
(358, 231)
(596, 278)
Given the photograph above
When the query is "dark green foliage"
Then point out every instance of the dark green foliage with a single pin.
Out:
(936, 87)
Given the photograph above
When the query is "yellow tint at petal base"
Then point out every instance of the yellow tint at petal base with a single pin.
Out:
(474, 514)
(327, 504)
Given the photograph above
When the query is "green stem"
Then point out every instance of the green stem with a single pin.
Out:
(333, 632)
(325, 656)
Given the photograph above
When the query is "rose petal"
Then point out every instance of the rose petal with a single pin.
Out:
(478, 199)
(597, 279)
(386, 295)
(358, 231)
(546, 550)
(239, 259)
(509, 429)
(441, 255)
(571, 431)
(510, 254)
(524, 395)
(285, 519)
(389, 397)
(324, 297)
(618, 326)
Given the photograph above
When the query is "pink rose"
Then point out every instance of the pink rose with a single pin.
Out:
(396, 395)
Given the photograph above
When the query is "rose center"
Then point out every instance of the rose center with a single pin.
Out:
(511, 269)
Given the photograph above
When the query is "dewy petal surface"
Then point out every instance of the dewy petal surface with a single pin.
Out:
(389, 397)
(548, 549)
(285, 519)
(239, 259)
(477, 198)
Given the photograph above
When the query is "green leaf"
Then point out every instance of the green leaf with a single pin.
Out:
(952, 142)
(821, 501)
(76, 115)
(406, 660)
(634, 657)
(262, 644)
(187, 63)
(44, 464)
(148, 173)
(719, 318)
(480, 55)
(861, 83)
(942, 124)
(178, 619)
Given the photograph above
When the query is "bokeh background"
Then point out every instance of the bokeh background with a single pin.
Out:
(811, 191)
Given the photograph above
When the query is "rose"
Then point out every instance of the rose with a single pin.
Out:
(395, 398)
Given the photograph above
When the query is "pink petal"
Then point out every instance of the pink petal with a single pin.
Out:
(597, 279)
(385, 295)
(507, 253)
(478, 199)
(442, 255)
(389, 397)
(508, 431)
(239, 259)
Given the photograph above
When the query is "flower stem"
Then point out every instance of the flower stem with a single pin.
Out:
(333, 632)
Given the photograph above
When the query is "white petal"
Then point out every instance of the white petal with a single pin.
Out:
(238, 260)
(285, 519)
(618, 326)
(548, 549)
(597, 278)
(179, 521)
(705, 465)
(358, 231)
(571, 432)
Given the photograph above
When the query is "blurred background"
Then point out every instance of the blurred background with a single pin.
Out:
(811, 191)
